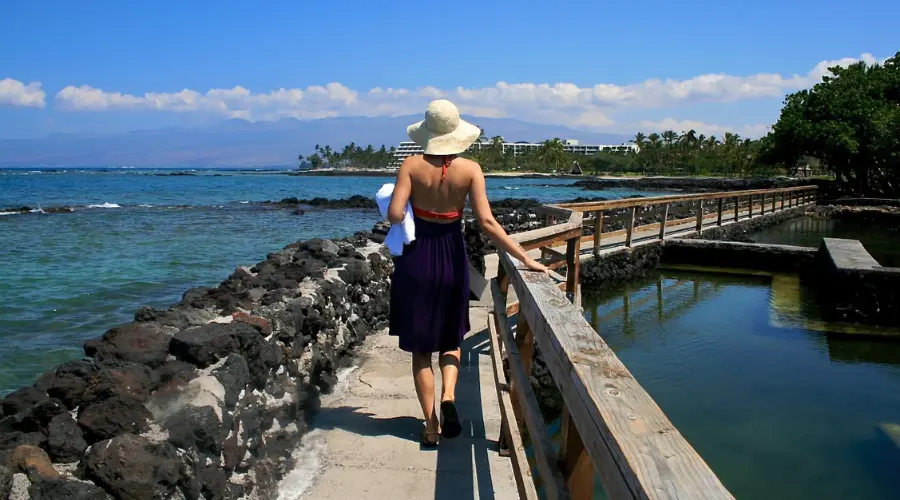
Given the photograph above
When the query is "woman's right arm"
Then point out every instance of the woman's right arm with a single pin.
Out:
(492, 228)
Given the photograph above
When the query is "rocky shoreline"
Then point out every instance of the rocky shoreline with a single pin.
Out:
(204, 399)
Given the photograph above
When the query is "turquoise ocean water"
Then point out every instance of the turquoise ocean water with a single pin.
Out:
(142, 237)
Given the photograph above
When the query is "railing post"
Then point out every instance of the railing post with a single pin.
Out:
(575, 462)
(598, 229)
(699, 216)
(721, 204)
(525, 343)
(737, 208)
(750, 207)
(782, 200)
(630, 227)
(773, 202)
(573, 269)
(762, 204)
(662, 223)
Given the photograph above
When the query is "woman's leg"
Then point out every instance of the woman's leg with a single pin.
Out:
(449, 362)
(423, 376)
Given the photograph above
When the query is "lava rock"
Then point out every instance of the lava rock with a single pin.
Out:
(322, 248)
(69, 382)
(213, 481)
(32, 461)
(21, 399)
(356, 272)
(65, 440)
(109, 418)
(205, 345)
(234, 375)
(197, 426)
(35, 418)
(65, 489)
(119, 378)
(146, 343)
(261, 324)
(135, 468)
(6, 480)
(174, 374)
(9, 441)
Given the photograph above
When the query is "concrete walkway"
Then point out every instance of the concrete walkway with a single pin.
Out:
(372, 431)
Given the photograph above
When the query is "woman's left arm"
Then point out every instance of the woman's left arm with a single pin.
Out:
(402, 188)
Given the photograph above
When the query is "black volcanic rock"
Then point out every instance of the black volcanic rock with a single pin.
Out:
(65, 489)
(146, 343)
(205, 345)
(356, 201)
(21, 399)
(111, 417)
(65, 440)
(135, 468)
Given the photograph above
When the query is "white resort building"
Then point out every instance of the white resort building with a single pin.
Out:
(407, 149)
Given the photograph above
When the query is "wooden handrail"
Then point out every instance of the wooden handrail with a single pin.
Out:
(592, 206)
(633, 448)
(611, 427)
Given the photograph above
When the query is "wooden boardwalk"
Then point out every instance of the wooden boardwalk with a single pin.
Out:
(612, 430)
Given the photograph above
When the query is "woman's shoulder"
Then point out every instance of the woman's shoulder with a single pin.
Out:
(467, 164)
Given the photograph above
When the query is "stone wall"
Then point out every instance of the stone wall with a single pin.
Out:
(854, 288)
(731, 254)
(739, 231)
(206, 399)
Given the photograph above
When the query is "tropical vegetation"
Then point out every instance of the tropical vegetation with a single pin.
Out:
(851, 122)
(848, 125)
(352, 156)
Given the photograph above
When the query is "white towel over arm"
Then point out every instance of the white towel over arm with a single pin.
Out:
(399, 234)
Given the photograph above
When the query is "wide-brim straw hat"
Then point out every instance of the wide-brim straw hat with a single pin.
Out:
(443, 132)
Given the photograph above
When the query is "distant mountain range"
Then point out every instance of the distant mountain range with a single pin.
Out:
(238, 143)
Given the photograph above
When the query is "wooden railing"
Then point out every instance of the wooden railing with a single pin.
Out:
(710, 209)
(612, 429)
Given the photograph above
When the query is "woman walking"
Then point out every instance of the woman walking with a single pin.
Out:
(430, 284)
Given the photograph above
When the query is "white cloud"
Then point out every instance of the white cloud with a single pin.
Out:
(16, 93)
(560, 103)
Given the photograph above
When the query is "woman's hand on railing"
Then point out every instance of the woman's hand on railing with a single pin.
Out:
(534, 265)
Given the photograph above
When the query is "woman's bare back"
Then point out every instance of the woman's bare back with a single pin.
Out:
(429, 192)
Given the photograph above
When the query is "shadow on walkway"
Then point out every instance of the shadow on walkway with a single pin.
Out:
(469, 451)
(366, 424)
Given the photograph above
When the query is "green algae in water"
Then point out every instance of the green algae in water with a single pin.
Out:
(778, 409)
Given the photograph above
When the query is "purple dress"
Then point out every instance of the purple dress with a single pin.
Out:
(430, 289)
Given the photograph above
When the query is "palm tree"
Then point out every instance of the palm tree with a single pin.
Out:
(639, 140)
(552, 153)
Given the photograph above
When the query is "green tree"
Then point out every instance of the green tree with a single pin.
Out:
(851, 122)
(552, 155)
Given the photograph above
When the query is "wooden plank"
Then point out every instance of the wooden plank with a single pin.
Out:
(629, 228)
(554, 211)
(477, 284)
(699, 216)
(719, 218)
(737, 208)
(598, 230)
(573, 261)
(655, 200)
(546, 236)
(634, 448)
(663, 221)
(545, 457)
(521, 469)
(576, 464)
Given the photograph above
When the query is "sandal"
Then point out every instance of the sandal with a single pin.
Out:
(429, 444)
(450, 426)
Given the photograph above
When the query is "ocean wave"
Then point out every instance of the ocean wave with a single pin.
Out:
(511, 188)
(146, 206)
(105, 205)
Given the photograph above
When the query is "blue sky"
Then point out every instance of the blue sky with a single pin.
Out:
(97, 66)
